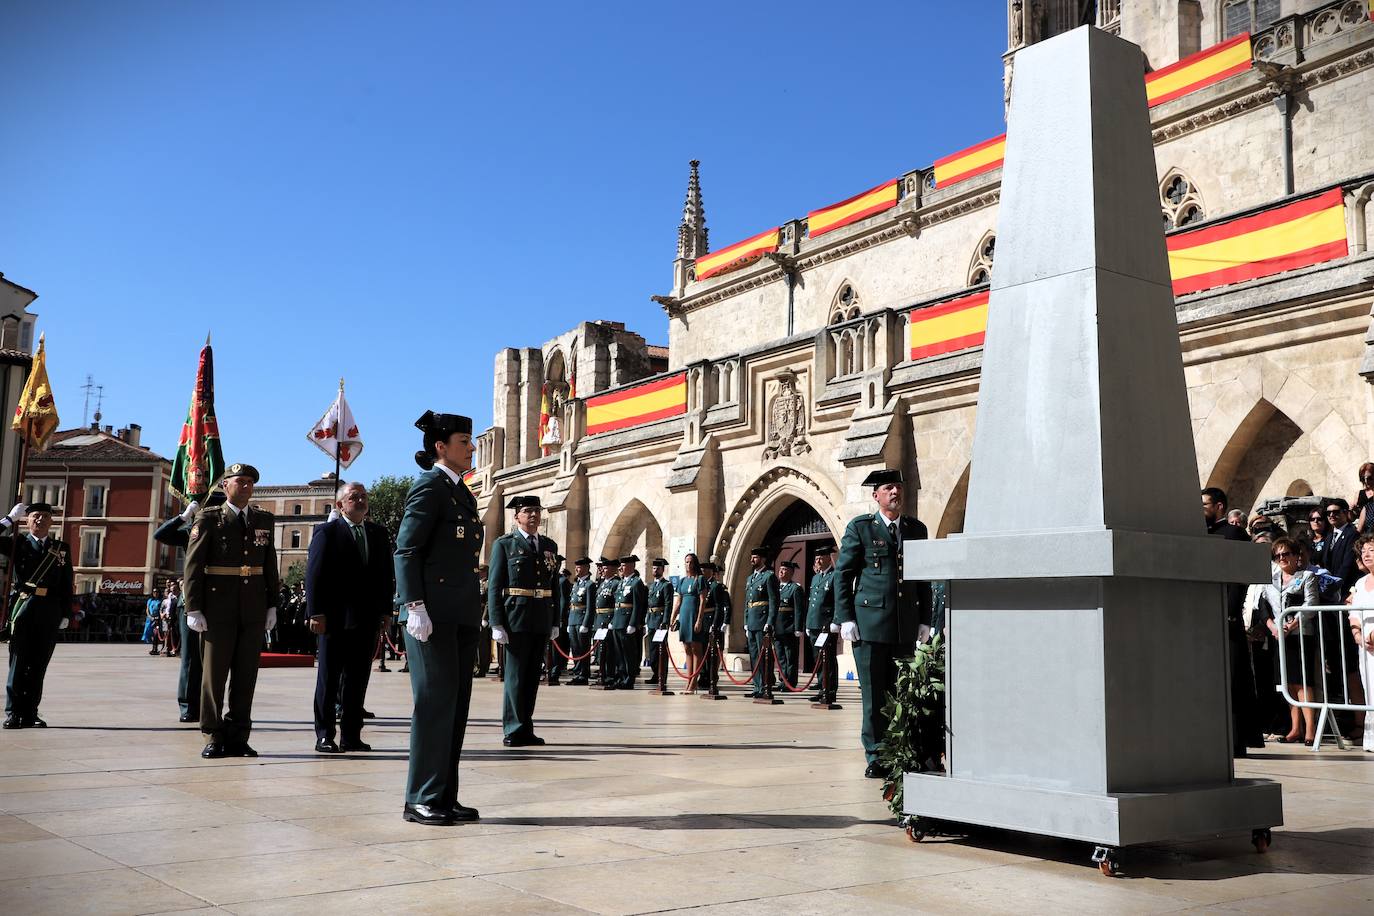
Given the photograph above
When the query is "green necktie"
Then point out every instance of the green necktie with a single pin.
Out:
(361, 538)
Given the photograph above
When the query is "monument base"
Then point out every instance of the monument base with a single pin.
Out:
(1114, 819)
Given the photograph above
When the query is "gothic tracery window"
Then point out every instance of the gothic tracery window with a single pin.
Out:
(846, 305)
(1179, 202)
(980, 269)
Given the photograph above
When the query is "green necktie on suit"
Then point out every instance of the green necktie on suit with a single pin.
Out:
(361, 537)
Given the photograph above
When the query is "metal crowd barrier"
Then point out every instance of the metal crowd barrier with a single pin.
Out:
(1332, 669)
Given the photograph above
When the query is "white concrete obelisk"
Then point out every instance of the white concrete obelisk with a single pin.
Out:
(1088, 662)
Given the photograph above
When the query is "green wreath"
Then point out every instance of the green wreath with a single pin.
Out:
(915, 714)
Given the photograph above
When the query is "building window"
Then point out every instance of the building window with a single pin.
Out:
(1247, 16)
(1179, 202)
(92, 546)
(54, 494)
(846, 306)
(87, 585)
(980, 268)
(296, 537)
(296, 509)
(97, 495)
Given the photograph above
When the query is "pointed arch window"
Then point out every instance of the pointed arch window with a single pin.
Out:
(846, 306)
(1247, 16)
(1179, 201)
(980, 268)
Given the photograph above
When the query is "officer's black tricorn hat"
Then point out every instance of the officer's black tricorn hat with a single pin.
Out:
(711, 566)
(524, 502)
(38, 507)
(583, 561)
(659, 561)
(788, 564)
(759, 552)
(444, 424)
(602, 561)
(886, 475)
(630, 559)
(825, 551)
(241, 470)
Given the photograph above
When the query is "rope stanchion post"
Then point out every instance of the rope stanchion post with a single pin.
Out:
(767, 699)
(603, 668)
(661, 672)
(500, 673)
(713, 673)
(380, 651)
(827, 700)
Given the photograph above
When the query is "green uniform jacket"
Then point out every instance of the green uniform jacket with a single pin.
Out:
(605, 601)
(722, 608)
(820, 607)
(223, 541)
(791, 611)
(514, 564)
(869, 587)
(56, 583)
(660, 603)
(580, 611)
(761, 600)
(631, 604)
(437, 550)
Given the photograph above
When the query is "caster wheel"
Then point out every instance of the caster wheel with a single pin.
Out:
(915, 834)
(1106, 860)
(1109, 868)
(1261, 840)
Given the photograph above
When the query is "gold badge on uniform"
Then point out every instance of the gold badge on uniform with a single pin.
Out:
(195, 531)
(461, 532)
(260, 536)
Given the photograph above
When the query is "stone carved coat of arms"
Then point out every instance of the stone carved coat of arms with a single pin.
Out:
(786, 434)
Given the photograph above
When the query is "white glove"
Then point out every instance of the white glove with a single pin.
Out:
(629, 631)
(849, 631)
(797, 634)
(583, 630)
(417, 622)
(333, 513)
(17, 512)
(570, 631)
(195, 620)
(553, 633)
(499, 634)
(271, 619)
(834, 628)
(64, 624)
(191, 511)
(923, 633)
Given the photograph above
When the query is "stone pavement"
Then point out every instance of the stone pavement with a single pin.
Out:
(638, 804)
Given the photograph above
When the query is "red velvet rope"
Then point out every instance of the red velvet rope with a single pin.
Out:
(685, 677)
(724, 666)
(782, 677)
(559, 650)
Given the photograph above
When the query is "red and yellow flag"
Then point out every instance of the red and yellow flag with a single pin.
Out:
(874, 200)
(1284, 238)
(983, 157)
(1198, 70)
(638, 404)
(737, 255)
(199, 462)
(949, 326)
(35, 418)
(544, 419)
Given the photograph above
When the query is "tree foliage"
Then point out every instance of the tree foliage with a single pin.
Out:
(295, 575)
(915, 713)
(386, 502)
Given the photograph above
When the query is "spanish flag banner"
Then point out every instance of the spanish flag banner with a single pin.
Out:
(737, 255)
(470, 479)
(984, 157)
(1284, 238)
(874, 200)
(949, 326)
(36, 416)
(638, 404)
(1199, 70)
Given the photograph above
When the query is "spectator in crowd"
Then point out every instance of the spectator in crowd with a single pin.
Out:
(1259, 523)
(152, 621)
(1338, 557)
(1236, 517)
(686, 617)
(1245, 725)
(1364, 515)
(1293, 585)
(1214, 512)
(1362, 623)
(1318, 530)
(168, 612)
(1271, 714)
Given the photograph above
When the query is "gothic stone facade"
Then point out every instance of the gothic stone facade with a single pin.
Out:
(798, 403)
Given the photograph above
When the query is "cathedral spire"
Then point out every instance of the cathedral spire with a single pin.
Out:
(691, 232)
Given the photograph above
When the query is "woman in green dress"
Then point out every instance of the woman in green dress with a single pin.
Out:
(686, 603)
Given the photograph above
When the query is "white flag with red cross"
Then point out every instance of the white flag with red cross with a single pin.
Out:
(337, 434)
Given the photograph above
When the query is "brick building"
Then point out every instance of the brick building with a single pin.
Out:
(108, 494)
(298, 509)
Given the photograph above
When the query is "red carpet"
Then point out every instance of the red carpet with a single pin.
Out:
(283, 660)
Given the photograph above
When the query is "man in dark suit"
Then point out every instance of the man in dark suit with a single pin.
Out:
(1338, 554)
(40, 606)
(349, 583)
(1245, 727)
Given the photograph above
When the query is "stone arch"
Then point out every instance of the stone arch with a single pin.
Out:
(1253, 453)
(952, 519)
(980, 265)
(1358, 214)
(634, 528)
(845, 305)
(1180, 202)
(1299, 487)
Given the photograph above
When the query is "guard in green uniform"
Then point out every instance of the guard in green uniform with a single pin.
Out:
(660, 601)
(40, 606)
(231, 597)
(716, 610)
(760, 616)
(627, 623)
(820, 616)
(581, 613)
(558, 660)
(437, 547)
(879, 613)
(791, 616)
(605, 610)
(522, 604)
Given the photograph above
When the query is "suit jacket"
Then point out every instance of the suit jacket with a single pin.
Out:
(1339, 558)
(220, 541)
(516, 564)
(339, 586)
(631, 603)
(437, 549)
(869, 587)
(51, 594)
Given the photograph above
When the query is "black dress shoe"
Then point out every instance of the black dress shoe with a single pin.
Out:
(214, 750)
(12, 722)
(326, 746)
(187, 717)
(578, 682)
(424, 814)
(240, 749)
(463, 813)
(874, 772)
(369, 715)
(34, 722)
(347, 746)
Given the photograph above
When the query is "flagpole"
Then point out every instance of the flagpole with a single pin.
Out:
(337, 447)
(18, 498)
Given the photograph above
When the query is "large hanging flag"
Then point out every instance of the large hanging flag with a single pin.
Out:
(199, 463)
(336, 434)
(36, 416)
(544, 419)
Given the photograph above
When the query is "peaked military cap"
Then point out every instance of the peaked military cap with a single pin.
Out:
(38, 507)
(524, 502)
(788, 564)
(443, 424)
(630, 559)
(659, 561)
(583, 561)
(886, 475)
(241, 470)
(825, 551)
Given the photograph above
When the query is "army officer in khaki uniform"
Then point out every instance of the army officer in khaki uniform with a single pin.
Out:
(436, 577)
(522, 604)
(231, 594)
(878, 611)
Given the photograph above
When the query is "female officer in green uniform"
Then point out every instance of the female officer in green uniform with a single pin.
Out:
(436, 574)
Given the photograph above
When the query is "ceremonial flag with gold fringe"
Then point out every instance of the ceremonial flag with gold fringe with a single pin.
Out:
(1273, 241)
(35, 418)
(949, 326)
(874, 200)
(1199, 70)
(737, 255)
(638, 404)
(199, 461)
(977, 159)
(336, 434)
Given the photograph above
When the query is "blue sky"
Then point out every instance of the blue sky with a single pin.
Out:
(393, 192)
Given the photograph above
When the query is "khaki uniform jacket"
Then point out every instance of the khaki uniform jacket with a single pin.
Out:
(231, 564)
(516, 566)
(869, 587)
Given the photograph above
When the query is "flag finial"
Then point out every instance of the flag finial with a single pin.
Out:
(207, 338)
(341, 383)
